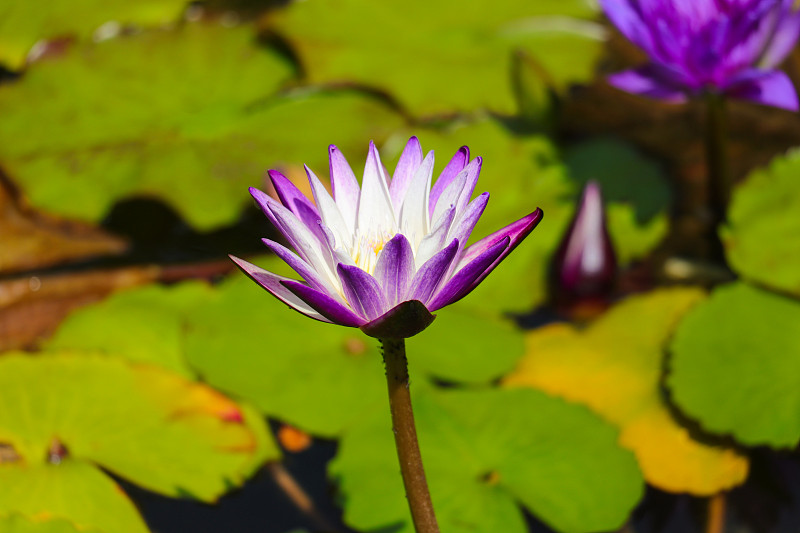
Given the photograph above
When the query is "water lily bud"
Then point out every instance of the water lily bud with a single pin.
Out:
(583, 271)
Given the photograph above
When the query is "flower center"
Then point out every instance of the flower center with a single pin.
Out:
(366, 250)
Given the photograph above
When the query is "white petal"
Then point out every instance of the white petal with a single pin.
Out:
(409, 161)
(338, 253)
(436, 239)
(375, 213)
(414, 222)
(331, 216)
(450, 195)
(307, 246)
(345, 187)
(473, 171)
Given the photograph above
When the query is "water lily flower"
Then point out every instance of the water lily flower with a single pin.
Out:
(731, 47)
(384, 255)
(583, 271)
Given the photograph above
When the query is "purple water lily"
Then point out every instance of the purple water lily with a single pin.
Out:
(384, 255)
(729, 46)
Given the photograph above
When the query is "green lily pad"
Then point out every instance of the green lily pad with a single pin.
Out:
(441, 57)
(130, 325)
(760, 238)
(16, 523)
(75, 495)
(23, 23)
(484, 452)
(735, 365)
(626, 176)
(565, 47)
(148, 425)
(240, 340)
(189, 116)
(466, 345)
(316, 376)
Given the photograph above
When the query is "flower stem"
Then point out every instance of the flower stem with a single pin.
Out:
(715, 521)
(719, 176)
(405, 437)
(717, 156)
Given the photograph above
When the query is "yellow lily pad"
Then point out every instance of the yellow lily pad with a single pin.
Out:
(614, 366)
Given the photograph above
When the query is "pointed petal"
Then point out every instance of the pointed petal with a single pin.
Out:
(772, 88)
(307, 245)
(470, 276)
(450, 195)
(324, 304)
(301, 208)
(345, 187)
(410, 159)
(473, 171)
(436, 239)
(272, 283)
(290, 196)
(303, 269)
(784, 39)
(516, 231)
(430, 275)
(414, 222)
(395, 268)
(629, 22)
(331, 216)
(375, 212)
(337, 253)
(462, 229)
(456, 165)
(362, 291)
(644, 82)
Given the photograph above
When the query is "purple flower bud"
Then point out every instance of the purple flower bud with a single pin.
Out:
(583, 271)
(731, 47)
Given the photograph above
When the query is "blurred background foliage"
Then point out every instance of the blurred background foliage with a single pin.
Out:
(135, 365)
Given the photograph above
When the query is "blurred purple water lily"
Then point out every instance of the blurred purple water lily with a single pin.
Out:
(729, 46)
(384, 255)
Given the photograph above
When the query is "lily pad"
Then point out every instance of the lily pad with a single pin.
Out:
(614, 366)
(130, 324)
(735, 365)
(443, 57)
(190, 116)
(485, 452)
(627, 177)
(466, 345)
(318, 377)
(240, 340)
(23, 23)
(17, 524)
(71, 493)
(760, 238)
(155, 428)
